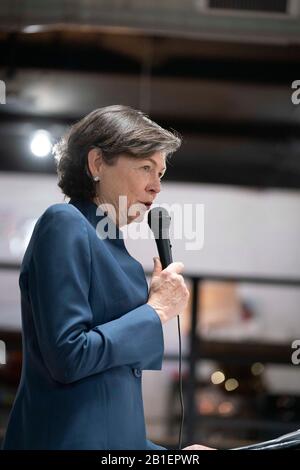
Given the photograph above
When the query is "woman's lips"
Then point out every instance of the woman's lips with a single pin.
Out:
(147, 204)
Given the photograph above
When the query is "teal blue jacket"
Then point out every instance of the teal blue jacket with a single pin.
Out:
(87, 336)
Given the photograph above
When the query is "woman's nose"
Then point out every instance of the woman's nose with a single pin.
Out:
(155, 186)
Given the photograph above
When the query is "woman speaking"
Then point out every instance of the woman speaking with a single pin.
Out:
(90, 326)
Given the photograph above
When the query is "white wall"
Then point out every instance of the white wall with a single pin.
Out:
(247, 232)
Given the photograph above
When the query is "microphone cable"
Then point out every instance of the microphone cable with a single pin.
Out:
(180, 385)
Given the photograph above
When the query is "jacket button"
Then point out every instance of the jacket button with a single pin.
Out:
(137, 372)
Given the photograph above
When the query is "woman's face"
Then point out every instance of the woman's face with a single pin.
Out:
(136, 179)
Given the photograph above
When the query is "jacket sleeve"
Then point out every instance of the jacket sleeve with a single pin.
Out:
(152, 446)
(59, 280)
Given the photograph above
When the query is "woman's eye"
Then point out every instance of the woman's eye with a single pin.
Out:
(147, 167)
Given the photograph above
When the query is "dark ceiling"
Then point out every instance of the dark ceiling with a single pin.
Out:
(229, 99)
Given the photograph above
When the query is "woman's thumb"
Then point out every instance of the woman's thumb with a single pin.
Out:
(157, 265)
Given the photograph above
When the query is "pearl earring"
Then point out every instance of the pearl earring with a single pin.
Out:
(96, 178)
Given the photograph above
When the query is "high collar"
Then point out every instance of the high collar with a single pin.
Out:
(94, 215)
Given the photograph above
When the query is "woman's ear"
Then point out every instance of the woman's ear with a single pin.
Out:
(95, 162)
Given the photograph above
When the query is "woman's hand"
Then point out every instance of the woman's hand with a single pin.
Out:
(198, 447)
(168, 294)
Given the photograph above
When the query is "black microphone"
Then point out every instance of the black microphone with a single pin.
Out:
(159, 222)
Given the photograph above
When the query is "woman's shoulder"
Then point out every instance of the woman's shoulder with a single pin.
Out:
(58, 225)
(61, 216)
(61, 211)
(61, 208)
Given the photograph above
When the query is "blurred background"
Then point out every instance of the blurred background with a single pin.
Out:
(220, 72)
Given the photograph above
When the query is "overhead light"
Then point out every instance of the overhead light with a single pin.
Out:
(257, 368)
(231, 384)
(41, 144)
(217, 377)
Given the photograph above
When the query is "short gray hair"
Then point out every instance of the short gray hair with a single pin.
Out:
(114, 130)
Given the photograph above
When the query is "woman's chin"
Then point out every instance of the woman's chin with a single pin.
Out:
(137, 218)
